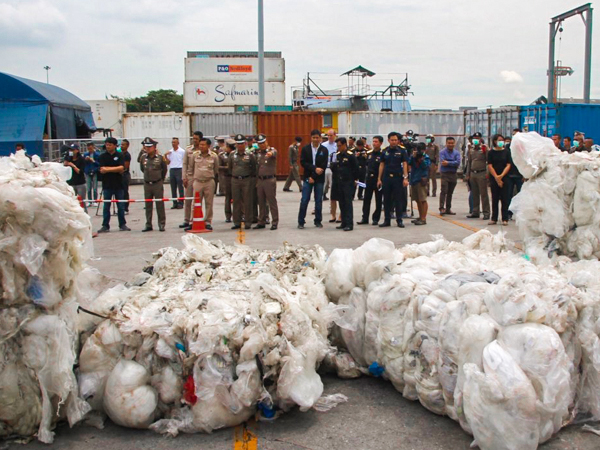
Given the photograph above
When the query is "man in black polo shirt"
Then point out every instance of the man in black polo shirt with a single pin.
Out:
(111, 169)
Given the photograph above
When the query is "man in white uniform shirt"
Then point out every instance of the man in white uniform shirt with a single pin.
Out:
(175, 159)
(331, 147)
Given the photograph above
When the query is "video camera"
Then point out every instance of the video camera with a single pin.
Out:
(410, 140)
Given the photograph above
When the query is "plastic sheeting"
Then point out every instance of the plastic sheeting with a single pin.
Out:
(476, 332)
(558, 208)
(214, 335)
(45, 239)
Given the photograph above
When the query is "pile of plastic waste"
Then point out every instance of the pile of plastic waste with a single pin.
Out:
(45, 239)
(558, 209)
(475, 331)
(210, 334)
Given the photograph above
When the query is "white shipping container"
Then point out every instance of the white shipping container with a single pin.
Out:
(108, 114)
(439, 123)
(370, 123)
(231, 94)
(161, 127)
(232, 69)
(224, 124)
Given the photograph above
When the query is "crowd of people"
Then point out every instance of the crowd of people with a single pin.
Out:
(243, 169)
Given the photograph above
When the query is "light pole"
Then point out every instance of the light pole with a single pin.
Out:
(261, 59)
(47, 69)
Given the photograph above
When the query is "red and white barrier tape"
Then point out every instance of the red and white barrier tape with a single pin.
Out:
(145, 200)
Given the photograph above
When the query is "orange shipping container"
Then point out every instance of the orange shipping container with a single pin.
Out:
(282, 127)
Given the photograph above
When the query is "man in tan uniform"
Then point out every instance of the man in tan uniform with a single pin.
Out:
(242, 167)
(433, 151)
(225, 176)
(294, 174)
(188, 174)
(155, 171)
(477, 177)
(266, 184)
(205, 169)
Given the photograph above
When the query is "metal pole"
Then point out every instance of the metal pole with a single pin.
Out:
(261, 59)
(551, 62)
(587, 72)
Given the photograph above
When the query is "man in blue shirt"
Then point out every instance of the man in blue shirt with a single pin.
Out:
(91, 171)
(393, 178)
(419, 164)
(449, 164)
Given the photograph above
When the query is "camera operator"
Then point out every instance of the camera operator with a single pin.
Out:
(419, 164)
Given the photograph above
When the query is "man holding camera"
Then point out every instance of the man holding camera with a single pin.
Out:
(393, 177)
(419, 163)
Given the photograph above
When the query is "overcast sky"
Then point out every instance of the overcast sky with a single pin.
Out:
(457, 53)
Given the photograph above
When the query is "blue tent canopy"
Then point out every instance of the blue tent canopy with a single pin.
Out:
(26, 105)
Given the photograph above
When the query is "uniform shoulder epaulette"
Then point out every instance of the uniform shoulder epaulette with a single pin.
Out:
(369, 152)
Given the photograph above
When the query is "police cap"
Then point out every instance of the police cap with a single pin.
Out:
(149, 142)
(261, 138)
(240, 139)
(476, 135)
(75, 146)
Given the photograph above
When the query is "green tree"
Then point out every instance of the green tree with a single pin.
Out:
(161, 100)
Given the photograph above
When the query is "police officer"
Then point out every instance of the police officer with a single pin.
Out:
(225, 176)
(252, 148)
(155, 171)
(345, 170)
(361, 158)
(432, 150)
(294, 174)
(393, 178)
(205, 168)
(373, 161)
(266, 184)
(477, 177)
(188, 175)
(242, 167)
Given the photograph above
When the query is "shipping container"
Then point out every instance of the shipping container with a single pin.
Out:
(230, 93)
(492, 121)
(563, 119)
(108, 114)
(282, 127)
(369, 124)
(161, 127)
(233, 69)
(224, 124)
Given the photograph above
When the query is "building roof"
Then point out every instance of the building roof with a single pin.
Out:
(359, 70)
(23, 89)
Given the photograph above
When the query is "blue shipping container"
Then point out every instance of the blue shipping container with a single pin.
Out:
(562, 118)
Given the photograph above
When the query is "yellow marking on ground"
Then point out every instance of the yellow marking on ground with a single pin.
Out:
(244, 436)
(467, 227)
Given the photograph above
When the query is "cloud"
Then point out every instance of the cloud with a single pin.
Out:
(510, 76)
(30, 24)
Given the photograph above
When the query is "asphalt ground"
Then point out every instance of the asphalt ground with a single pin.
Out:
(376, 416)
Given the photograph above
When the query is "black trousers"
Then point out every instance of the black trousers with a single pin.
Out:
(346, 191)
(362, 175)
(176, 180)
(394, 195)
(500, 195)
(369, 191)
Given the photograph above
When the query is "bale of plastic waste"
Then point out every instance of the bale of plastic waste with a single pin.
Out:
(45, 239)
(214, 335)
(477, 332)
(558, 208)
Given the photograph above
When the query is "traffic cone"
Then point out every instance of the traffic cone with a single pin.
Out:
(198, 225)
(80, 201)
